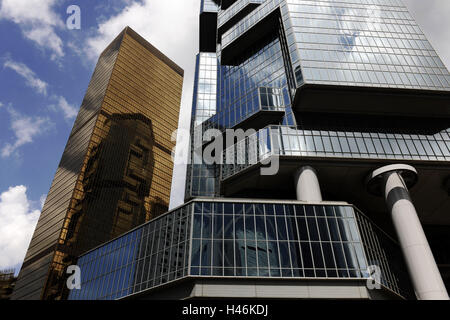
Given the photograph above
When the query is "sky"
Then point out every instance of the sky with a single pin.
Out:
(45, 69)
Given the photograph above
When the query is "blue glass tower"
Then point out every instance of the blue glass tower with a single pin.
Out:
(351, 104)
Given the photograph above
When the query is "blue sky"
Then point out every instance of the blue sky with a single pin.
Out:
(45, 69)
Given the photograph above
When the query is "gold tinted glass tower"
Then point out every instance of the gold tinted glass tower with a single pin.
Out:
(116, 170)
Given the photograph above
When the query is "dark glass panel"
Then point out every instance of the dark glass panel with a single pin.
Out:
(207, 226)
(317, 255)
(312, 228)
(218, 226)
(323, 229)
(284, 254)
(228, 208)
(299, 210)
(228, 226)
(207, 207)
(228, 253)
(281, 228)
(306, 255)
(334, 229)
(291, 228)
(218, 207)
(302, 229)
(197, 207)
(239, 209)
(251, 254)
(239, 227)
(345, 235)
(350, 256)
(274, 259)
(270, 224)
(339, 255)
(206, 253)
(262, 253)
(320, 211)
(309, 210)
(260, 228)
(195, 261)
(269, 209)
(328, 255)
(250, 227)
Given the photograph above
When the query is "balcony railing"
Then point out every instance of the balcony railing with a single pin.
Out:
(249, 21)
(268, 107)
(294, 141)
(239, 6)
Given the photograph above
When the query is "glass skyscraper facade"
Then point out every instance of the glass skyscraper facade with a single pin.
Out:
(116, 170)
(350, 103)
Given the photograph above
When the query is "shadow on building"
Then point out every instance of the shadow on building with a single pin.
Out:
(115, 195)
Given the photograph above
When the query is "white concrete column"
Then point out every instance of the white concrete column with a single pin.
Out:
(307, 185)
(424, 273)
(422, 267)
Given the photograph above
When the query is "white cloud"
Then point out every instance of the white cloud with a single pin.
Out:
(17, 222)
(172, 27)
(30, 77)
(25, 130)
(432, 17)
(38, 22)
(42, 200)
(75, 48)
(32, 80)
(68, 110)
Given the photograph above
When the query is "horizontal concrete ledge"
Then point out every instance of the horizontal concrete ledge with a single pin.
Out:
(411, 102)
(226, 288)
(274, 201)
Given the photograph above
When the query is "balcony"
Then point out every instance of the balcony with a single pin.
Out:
(254, 243)
(229, 17)
(260, 22)
(270, 109)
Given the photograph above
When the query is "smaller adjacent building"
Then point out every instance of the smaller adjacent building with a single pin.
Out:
(7, 283)
(246, 248)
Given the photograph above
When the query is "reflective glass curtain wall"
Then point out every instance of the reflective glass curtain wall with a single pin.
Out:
(241, 239)
(373, 43)
(116, 170)
(202, 179)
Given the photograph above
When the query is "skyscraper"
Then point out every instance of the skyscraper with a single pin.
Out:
(341, 103)
(116, 170)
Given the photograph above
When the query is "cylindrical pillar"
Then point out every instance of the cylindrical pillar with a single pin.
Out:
(425, 275)
(307, 185)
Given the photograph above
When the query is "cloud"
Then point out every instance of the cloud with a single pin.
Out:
(42, 200)
(432, 17)
(37, 21)
(67, 109)
(25, 129)
(167, 26)
(30, 77)
(173, 29)
(17, 222)
(33, 81)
